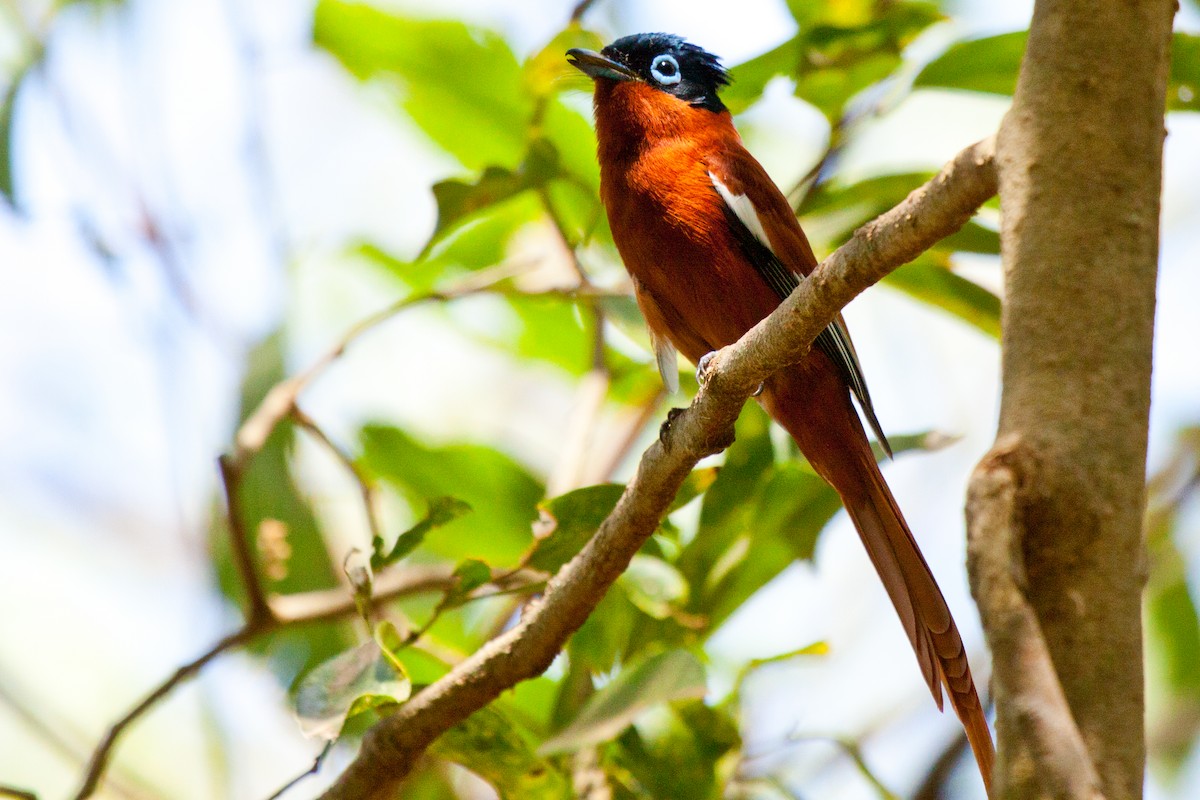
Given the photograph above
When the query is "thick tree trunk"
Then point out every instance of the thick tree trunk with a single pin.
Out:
(1055, 511)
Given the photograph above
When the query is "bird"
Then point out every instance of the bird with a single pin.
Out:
(712, 247)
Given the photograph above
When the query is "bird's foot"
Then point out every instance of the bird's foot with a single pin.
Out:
(704, 371)
(703, 366)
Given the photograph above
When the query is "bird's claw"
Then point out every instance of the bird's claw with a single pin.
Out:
(703, 366)
(759, 390)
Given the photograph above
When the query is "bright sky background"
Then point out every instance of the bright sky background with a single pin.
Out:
(118, 381)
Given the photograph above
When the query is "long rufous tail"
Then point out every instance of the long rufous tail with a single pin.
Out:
(840, 453)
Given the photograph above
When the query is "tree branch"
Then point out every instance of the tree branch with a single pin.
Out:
(930, 213)
(284, 611)
(1026, 682)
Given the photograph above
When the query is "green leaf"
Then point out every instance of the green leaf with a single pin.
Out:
(473, 243)
(987, 65)
(972, 238)
(442, 511)
(471, 574)
(569, 521)
(605, 638)
(689, 753)
(930, 280)
(459, 200)
(494, 747)
(349, 683)
(546, 69)
(674, 675)
(654, 586)
(751, 77)
(788, 512)
(694, 485)
(991, 65)
(461, 85)
(502, 493)
(726, 514)
(390, 644)
(1183, 88)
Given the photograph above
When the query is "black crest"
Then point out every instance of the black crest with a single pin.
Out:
(672, 64)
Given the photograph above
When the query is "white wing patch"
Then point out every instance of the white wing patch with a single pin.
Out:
(743, 208)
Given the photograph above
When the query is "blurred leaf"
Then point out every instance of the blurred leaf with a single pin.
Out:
(489, 744)
(929, 441)
(751, 77)
(654, 586)
(461, 85)
(390, 644)
(930, 280)
(674, 675)
(842, 48)
(1172, 621)
(572, 134)
(868, 198)
(843, 58)
(547, 68)
(1183, 88)
(502, 492)
(7, 111)
(688, 754)
(972, 238)
(986, 65)
(347, 684)
(991, 65)
(569, 521)
(471, 574)
(726, 515)
(605, 637)
(814, 649)
(475, 243)
(789, 510)
(442, 511)
(458, 200)
(695, 484)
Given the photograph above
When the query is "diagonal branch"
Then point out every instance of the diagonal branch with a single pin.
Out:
(930, 213)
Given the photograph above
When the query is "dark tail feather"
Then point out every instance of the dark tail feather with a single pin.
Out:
(919, 602)
(814, 406)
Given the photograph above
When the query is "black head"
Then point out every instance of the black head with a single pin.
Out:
(662, 60)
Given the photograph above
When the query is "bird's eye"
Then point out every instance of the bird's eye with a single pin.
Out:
(665, 70)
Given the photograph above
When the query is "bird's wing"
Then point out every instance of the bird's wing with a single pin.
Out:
(773, 243)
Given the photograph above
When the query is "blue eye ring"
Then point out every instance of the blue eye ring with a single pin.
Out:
(665, 69)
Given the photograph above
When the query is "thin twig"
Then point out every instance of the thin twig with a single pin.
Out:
(279, 401)
(934, 783)
(20, 794)
(99, 760)
(257, 610)
(940, 207)
(580, 9)
(313, 770)
(366, 487)
(285, 611)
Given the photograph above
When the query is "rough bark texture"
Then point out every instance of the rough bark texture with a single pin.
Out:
(1079, 159)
